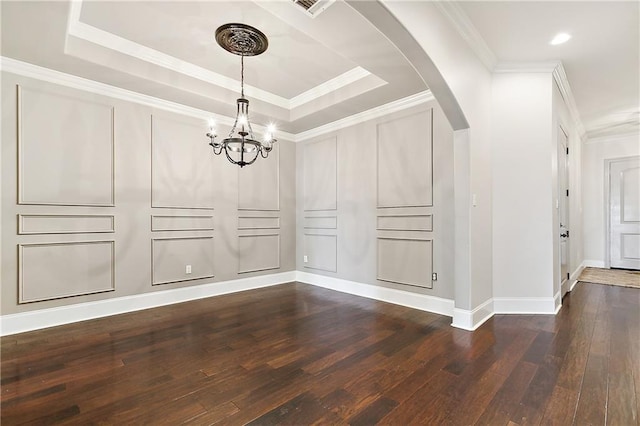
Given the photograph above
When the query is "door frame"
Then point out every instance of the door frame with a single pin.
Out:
(607, 205)
(563, 280)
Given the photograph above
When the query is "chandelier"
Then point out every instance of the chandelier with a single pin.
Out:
(241, 147)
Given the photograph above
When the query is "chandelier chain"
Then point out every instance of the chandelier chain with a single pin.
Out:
(242, 76)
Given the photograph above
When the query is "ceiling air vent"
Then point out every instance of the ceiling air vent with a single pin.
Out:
(313, 7)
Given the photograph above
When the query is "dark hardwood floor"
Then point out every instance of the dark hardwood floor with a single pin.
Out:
(297, 354)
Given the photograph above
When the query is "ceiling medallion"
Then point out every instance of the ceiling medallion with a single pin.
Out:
(241, 147)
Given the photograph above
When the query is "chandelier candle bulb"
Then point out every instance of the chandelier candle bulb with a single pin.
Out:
(241, 147)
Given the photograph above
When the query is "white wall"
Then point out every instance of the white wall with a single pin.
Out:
(522, 185)
(595, 153)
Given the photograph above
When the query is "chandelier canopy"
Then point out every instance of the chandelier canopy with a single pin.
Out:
(241, 147)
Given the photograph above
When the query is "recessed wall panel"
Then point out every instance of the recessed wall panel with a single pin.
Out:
(321, 252)
(321, 222)
(258, 222)
(65, 224)
(320, 175)
(258, 252)
(182, 174)
(405, 261)
(65, 150)
(259, 184)
(55, 270)
(171, 258)
(405, 161)
(406, 223)
(181, 223)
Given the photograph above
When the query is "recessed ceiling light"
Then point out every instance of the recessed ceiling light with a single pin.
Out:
(560, 38)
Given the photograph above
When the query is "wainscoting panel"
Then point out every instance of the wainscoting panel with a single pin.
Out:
(182, 171)
(65, 150)
(321, 222)
(405, 175)
(65, 224)
(320, 175)
(258, 252)
(405, 261)
(259, 184)
(181, 223)
(406, 222)
(171, 256)
(56, 270)
(321, 251)
(258, 222)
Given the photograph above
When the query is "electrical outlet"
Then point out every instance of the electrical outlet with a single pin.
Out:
(306, 258)
(187, 269)
(434, 276)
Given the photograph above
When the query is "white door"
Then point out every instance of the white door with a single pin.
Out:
(563, 204)
(624, 213)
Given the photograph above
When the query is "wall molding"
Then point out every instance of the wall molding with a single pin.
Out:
(43, 318)
(26, 69)
(418, 301)
(471, 320)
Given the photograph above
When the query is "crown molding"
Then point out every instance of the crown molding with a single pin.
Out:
(91, 34)
(135, 50)
(562, 81)
(382, 110)
(530, 67)
(616, 137)
(461, 22)
(336, 83)
(68, 80)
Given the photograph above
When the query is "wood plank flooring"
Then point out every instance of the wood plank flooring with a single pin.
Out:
(298, 354)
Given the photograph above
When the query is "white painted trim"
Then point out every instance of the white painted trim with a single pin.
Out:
(418, 301)
(526, 67)
(525, 305)
(336, 83)
(68, 80)
(382, 110)
(129, 48)
(570, 284)
(468, 31)
(56, 77)
(43, 318)
(557, 300)
(560, 77)
(471, 320)
(588, 263)
(612, 138)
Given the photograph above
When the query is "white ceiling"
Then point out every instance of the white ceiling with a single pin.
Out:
(318, 70)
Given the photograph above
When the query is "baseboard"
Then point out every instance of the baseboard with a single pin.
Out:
(570, 284)
(471, 320)
(527, 305)
(421, 302)
(43, 318)
(593, 264)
